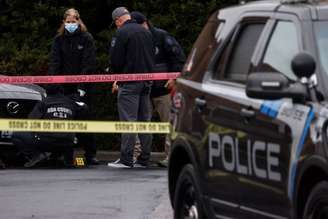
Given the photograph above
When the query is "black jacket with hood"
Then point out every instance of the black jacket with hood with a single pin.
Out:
(73, 54)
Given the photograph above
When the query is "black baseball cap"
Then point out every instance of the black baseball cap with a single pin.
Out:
(138, 17)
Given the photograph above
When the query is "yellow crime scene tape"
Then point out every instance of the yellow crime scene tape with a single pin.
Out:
(38, 125)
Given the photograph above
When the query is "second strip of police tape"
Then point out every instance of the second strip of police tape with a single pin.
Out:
(32, 125)
(38, 125)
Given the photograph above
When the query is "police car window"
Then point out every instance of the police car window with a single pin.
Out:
(282, 47)
(238, 54)
(203, 49)
(322, 43)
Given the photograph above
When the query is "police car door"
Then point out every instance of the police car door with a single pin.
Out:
(267, 190)
(244, 147)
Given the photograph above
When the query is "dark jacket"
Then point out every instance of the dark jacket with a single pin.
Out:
(169, 57)
(57, 107)
(131, 49)
(73, 54)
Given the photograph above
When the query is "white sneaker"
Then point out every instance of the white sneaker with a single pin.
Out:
(118, 164)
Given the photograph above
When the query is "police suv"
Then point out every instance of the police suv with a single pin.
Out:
(251, 115)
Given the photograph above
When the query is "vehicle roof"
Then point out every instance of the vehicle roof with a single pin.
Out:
(315, 9)
(10, 91)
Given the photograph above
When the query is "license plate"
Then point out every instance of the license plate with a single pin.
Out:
(6, 134)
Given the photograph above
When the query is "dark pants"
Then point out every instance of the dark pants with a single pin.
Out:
(134, 105)
(85, 140)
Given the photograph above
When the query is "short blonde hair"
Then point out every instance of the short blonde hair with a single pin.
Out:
(76, 14)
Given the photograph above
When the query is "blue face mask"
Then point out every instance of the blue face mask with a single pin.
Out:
(71, 27)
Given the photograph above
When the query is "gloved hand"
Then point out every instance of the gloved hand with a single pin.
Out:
(81, 92)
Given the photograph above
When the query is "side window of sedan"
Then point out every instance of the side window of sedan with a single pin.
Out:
(281, 49)
(235, 60)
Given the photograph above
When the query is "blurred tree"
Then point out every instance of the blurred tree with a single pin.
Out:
(28, 27)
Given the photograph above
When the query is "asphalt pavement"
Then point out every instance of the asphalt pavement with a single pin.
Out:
(93, 192)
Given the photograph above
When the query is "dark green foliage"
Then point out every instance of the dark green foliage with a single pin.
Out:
(28, 27)
(184, 19)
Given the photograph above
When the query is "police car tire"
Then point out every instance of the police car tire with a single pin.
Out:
(316, 200)
(187, 180)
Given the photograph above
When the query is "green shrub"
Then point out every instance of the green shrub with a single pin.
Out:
(28, 27)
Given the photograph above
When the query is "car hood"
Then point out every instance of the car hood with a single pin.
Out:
(28, 91)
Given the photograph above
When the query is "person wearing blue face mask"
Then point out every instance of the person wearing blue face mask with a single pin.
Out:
(71, 27)
(73, 52)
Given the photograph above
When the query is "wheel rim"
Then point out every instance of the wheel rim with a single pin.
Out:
(189, 203)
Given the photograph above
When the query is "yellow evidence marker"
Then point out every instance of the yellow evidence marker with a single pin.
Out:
(79, 162)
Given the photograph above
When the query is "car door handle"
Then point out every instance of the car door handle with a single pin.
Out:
(200, 104)
(247, 113)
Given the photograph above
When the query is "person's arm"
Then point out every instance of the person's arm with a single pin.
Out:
(89, 56)
(88, 62)
(175, 54)
(55, 58)
(118, 52)
(175, 57)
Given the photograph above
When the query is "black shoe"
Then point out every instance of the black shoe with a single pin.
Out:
(92, 161)
(37, 158)
(139, 164)
(2, 164)
(68, 159)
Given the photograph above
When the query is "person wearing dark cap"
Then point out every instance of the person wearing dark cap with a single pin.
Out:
(37, 147)
(132, 51)
(169, 57)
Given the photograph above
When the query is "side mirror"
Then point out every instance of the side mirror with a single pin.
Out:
(266, 85)
(303, 65)
(272, 86)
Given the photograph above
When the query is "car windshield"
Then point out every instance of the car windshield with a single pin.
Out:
(321, 29)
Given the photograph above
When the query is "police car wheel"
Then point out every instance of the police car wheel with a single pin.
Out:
(187, 202)
(317, 204)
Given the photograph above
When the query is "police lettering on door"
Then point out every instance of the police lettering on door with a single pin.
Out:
(252, 158)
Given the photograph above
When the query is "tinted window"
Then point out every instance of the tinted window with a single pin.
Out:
(322, 42)
(238, 53)
(283, 46)
(203, 49)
